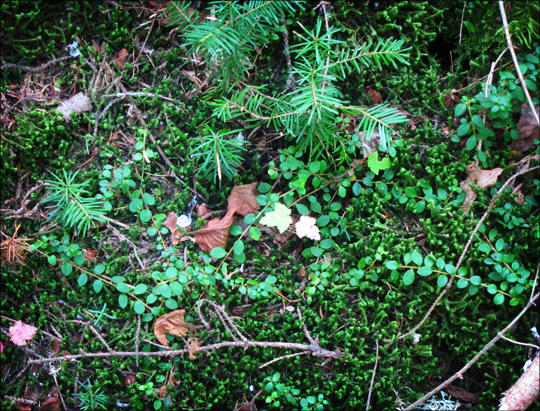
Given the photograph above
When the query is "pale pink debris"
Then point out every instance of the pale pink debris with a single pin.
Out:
(21, 332)
(305, 227)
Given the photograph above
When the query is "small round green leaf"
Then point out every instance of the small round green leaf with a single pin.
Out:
(238, 247)
(98, 285)
(66, 269)
(218, 253)
(442, 281)
(498, 299)
(408, 277)
(392, 265)
(138, 307)
(99, 269)
(424, 271)
(52, 260)
(122, 287)
(82, 280)
(145, 216)
(140, 289)
(255, 233)
(122, 300)
(149, 199)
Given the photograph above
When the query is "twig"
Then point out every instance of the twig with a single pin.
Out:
(58, 391)
(306, 332)
(137, 335)
(447, 287)
(490, 75)
(282, 358)
(33, 69)
(211, 347)
(462, 17)
(373, 376)
(460, 373)
(535, 279)
(516, 63)
(520, 343)
(21, 400)
(100, 116)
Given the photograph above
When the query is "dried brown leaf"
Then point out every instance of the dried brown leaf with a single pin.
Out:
(215, 234)
(51, 404)
(120, 59)
(203, 211)
(90, 254)
(483, 179)
(243, 199)
(194, 345)
(527, 128)
(172, 323)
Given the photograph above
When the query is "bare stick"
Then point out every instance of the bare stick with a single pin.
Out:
(137, 335)
(282, 358)
(535, 279)
(33, 69)
(516, 63)
(447, 287)
(520, 343)
(21, 400)
(306, 332)
(460, 373)
(462, 17)
(315, 351)
(225, 319)
(373, 376)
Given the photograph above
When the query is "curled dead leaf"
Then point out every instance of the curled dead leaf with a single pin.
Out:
(120, 59)
(89, 254)
(128, 380)
(527, 128)
(203, 211)
(215, 234)
(172, 323)
(243, 199)
(51, 404)
(193, 345)
(483, 179)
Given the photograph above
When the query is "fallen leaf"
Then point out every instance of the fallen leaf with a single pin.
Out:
(23, 407)
(128, 380)
(172, 323)
(527, 128)
(203, 211)
(280, 218)
(462, 394)
(21, 332)
(120, 59)
(450, 99)
(51, 404)
(193, 345)
(243, 199)
(483, 179)
(90, 254)
(215, 234)
(55, 346)
(305, 227)
(374, 94)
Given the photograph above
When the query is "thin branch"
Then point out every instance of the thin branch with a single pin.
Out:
(282, 358)
(516, 62)
(460, 373)
(33, 69)
(373, 376)
(520, 343)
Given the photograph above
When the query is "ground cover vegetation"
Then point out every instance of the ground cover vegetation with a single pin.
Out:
(268, 205)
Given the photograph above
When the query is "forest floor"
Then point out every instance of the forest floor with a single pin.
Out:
(162, 251)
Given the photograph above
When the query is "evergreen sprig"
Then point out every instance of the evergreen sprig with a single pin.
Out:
(227, 37)
(70, 208)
